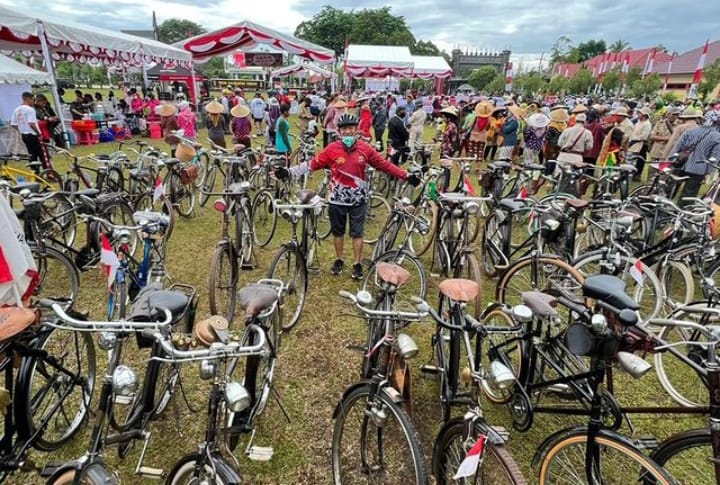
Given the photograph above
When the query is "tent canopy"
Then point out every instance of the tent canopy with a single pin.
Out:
(21, 32)
(246, 35)
(378, 60)
(428, 67)
(13, 72)
(176, 73)
(289, 70)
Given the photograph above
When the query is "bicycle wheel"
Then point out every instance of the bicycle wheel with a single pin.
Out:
(53, 180)
(56, 389)
(114, 180)
(223, 282)
(323, 222)
(59, 278)
(95, 474)
(121, 214)
(564, 462)
(374, 441)
(415, 287)
(492, 245)
(182, 196)
(144, 202)
(198, 469)
(421, 242)
(467, 267)
(683, 383)
(289, 267)
(378, 212)
(539, 273)
(510, 355)
(244, 240)
(203, 162)
(497, 466)
(58, 219)
(446, 345)
(264, 218)
(167, 377)
(688, 457)
(207, 184)
(678, 284)
(647, 292)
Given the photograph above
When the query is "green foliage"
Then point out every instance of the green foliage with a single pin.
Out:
(645, 87)
(482, 77)
(558, 84)
(530, 83)
(175, 30)
(425, 48)
(619, 45)
(669, 97)
(588, 49)
(612, 80)
(560, 50)
(214, 67)
(710, 80)
(331, 27)
(633, 74)
(581, 82)
(497, 85)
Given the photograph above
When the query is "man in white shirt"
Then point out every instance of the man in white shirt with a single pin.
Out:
(24, 120)
(639, 140)
(257, 108)
(417, 124)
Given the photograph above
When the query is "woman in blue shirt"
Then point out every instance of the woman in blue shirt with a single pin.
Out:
(282, 131)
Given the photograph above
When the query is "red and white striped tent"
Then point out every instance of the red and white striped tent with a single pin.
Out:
(378, 61)
(246, 35)
(430, 67)
(303, 68)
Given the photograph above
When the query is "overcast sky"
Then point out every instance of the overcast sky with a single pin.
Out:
(527, 27)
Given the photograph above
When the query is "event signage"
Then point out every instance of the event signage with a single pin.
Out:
(263, 59)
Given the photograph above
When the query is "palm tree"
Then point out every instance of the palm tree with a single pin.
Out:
(619, 45)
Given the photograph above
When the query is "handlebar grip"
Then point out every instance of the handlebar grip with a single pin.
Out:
(346, 294)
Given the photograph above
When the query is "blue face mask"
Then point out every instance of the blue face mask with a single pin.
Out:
(348, 140)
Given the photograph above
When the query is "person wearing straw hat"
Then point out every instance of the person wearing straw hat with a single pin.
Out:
(478, 130)
(168, 124)
(688, 119)
(510, 133)
(494, 132)
(640, 139)
(558, 123)
(215, 123)
(187, 120)
(450, 140)
(241, 126)
(661, 133)
(537, 125)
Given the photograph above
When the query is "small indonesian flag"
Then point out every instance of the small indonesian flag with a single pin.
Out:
(468, 186)
(5, 272)
(108, 258)
(470, 464)
(523, 193)
(159, 189)
(636, 271)
(697, 77)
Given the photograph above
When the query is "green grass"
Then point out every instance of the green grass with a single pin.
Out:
(313, 370)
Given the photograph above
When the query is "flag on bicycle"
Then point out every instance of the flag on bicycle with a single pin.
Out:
(636, 271)
(523, 193)
(159, 189)
(108, 258)
(468, 186)
(470, 464)
(19, 276)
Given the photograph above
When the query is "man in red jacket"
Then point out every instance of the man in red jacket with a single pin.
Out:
(347, 159)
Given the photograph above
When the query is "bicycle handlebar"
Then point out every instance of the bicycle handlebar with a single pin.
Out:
(279, 206)
(217, 350)
(394, 314)
(667, 202)
(103, 326)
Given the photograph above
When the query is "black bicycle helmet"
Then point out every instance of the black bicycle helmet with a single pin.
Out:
(347, 119)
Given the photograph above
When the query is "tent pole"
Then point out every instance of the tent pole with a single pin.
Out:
(146, 81)
(51, 70)
(194, 84)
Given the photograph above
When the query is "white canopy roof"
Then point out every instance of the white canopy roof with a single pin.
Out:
(21, 31)
(427, 67)
(379, 57)
(13, 72)
(289, 70)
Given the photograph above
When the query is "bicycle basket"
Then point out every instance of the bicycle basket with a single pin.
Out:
(189, 173)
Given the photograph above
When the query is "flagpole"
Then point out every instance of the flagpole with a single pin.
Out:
(51, 70)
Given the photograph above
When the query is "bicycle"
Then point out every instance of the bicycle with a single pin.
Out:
(373, 436)
(298, 257)
(48, 385)
(48, 178)
(238, 170)
(108, 175)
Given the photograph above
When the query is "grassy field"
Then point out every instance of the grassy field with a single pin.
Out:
(313, 370)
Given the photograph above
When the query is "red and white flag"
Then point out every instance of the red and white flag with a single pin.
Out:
(523, 193)
(470, 464)
(650, 63)
(6, 275)
(468, 186)
(636, 271)
(159, 189)
(697, 77)
(667, 73)
(108, 258)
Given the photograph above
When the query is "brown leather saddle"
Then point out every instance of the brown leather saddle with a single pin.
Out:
(392, 273)
(13, 320)
(255, 299)
(459, 289)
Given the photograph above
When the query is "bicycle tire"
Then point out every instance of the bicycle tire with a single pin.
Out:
(114, 180)
(652, 472)
(497, 464)
(264, 218)
(144, 202)
(120, 213)
(422, 242)
(182, 196)
(28, 399)
(219, 472)
(59, 219)
(699, 443)
(94, 474)
(412, 471)
(470, 270)
(207, 184)
(323, 222)
(202, 162)
(678, 284)
(492, 246)
(650, 296)
(51, 180)
(295, 277)
(378, 212)
(52, 280)
(497, 318)
(415, 287)
(218, 282)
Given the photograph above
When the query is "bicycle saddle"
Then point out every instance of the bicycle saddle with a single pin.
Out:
(392, 273)
(577, 203)
(511, 204)
(254, 299)
(212, 329)
(150, 304)
(540, 303)
(171, 161)
(610, 290)
(33, 187)
(626, 167)
(533, 166)
(459, 289)
(499, 165)
(305, 196)
(14, 320)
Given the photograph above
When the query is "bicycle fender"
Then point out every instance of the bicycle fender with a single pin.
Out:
(389, 391)
(678, 437)
(562, 434)
(229, 475)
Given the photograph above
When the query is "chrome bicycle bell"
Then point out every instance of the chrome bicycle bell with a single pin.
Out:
(237, 397)
(107, 340)
(207, 369)
(522, 313)
(364, 297)
(124, 381)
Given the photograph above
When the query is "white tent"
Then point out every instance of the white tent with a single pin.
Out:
(378, 60)
(303, 67)
(16, 78)
(429, 67)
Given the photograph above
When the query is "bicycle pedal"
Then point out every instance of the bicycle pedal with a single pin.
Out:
(260, 453)
(431, 369)
(150, 472)
(356, 347)
(247, 266)
(124, 400)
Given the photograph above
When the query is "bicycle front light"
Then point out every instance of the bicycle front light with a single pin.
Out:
(220, 205)
(472, 208)
(599, 323)
(406, 346)
(522, 313)
(501, 375)
(237, 397)
(124, 381)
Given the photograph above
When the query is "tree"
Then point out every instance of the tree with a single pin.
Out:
(646, 86)
(480, 78)
(423, 48)
(612, 80)
(175, 30)
(710, 80)
(558, 84)
(581, 82)
(619, 45)
(633, 75)
(330, 28)
(560, 50)
(497, 85)
(589, 49)
(530, 83)
(214, 67)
